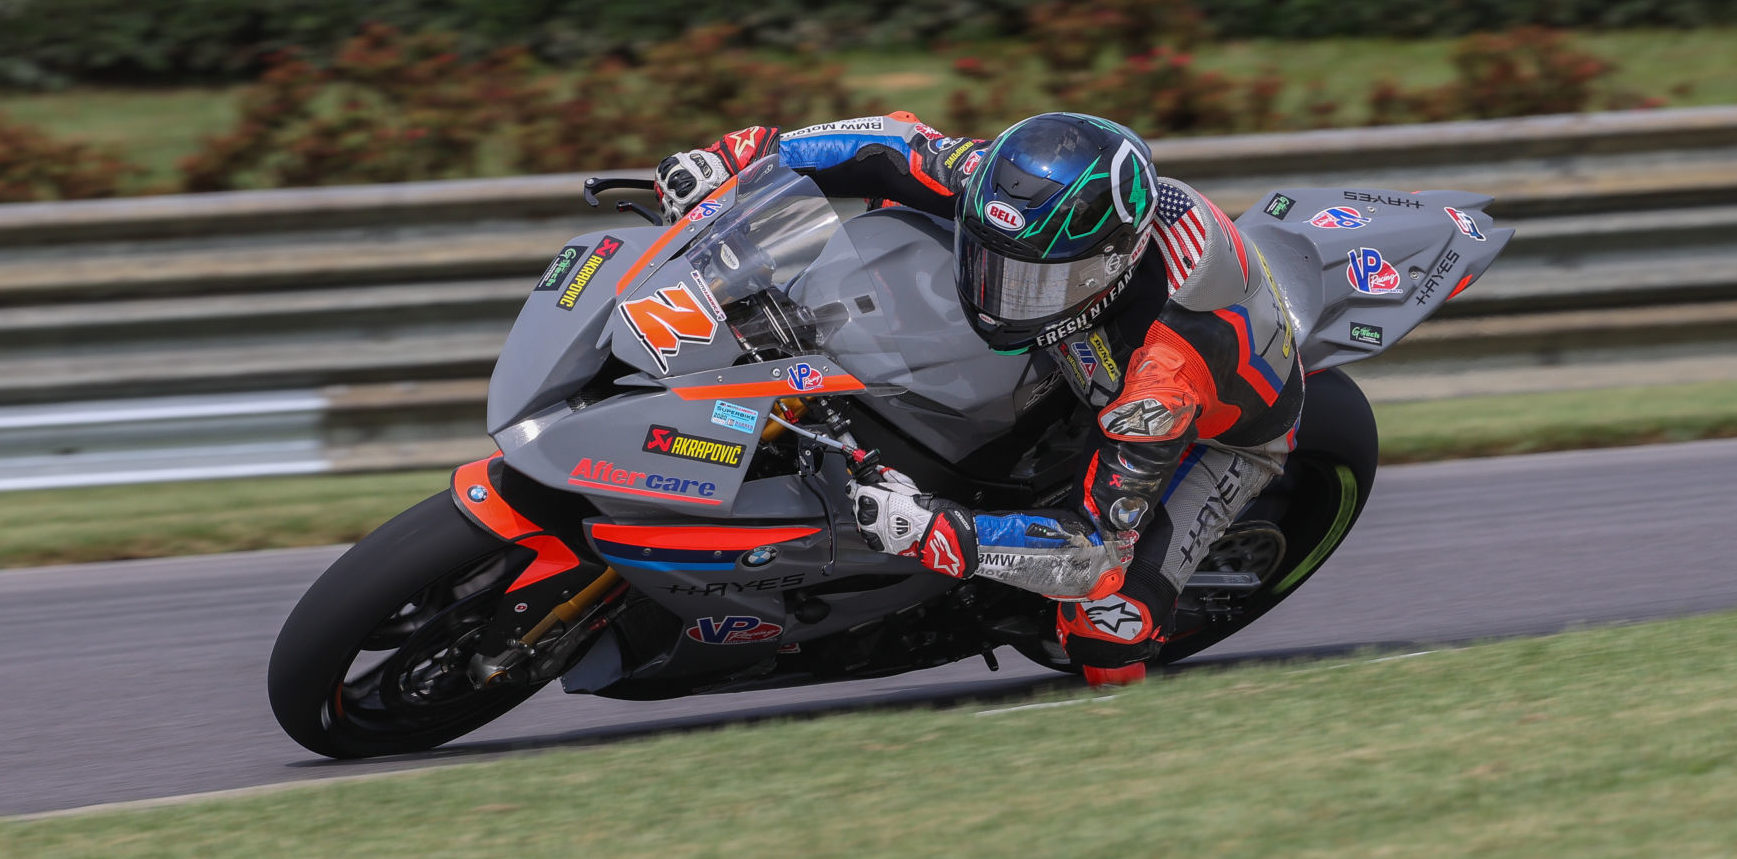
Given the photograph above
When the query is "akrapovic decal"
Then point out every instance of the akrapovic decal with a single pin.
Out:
(669, 441)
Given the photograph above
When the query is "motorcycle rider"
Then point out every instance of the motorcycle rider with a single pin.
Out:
(1143, 295)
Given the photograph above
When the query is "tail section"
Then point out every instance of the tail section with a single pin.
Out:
(1360, 268)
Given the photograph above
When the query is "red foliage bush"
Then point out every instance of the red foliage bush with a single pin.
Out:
(35, 166)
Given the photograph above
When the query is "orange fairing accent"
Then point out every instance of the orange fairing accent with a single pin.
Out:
(834, 383)
(553, 558)
(697, 536)
(1461, 287)
(668, 236)
(494, 513)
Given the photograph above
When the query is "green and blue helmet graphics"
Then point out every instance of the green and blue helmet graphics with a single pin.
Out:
(1051, 226)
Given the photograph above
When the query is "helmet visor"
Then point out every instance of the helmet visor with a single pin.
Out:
(1013, 291)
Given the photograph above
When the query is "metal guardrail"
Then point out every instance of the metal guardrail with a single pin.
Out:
(352, 328)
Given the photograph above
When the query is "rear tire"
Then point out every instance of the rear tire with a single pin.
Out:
(371, 661)
(1326, 482)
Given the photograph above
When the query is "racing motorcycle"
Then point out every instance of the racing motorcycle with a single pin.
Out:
(678, 409)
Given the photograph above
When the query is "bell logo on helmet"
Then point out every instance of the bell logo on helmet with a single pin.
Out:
(1004, 216)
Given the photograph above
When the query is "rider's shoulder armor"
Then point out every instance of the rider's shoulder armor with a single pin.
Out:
(1208, 263)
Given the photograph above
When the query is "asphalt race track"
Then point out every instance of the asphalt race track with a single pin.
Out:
(144, 679)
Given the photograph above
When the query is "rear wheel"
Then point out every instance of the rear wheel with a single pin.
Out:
(374, 659)
(1301, 519)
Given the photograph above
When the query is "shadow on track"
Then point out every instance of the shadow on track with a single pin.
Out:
(988, 691)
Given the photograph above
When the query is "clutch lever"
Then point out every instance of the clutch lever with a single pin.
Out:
(594, 185)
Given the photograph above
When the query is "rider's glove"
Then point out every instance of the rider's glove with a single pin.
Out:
(686, 178)
(895, 518)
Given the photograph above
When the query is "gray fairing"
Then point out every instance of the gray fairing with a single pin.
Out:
(552, 350)
(894, 268)
(1412, 232)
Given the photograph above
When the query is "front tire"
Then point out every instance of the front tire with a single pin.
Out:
(372, 660)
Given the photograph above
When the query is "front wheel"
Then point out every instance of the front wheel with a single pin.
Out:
(373, 659)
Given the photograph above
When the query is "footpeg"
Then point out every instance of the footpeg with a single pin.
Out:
(1223, 582)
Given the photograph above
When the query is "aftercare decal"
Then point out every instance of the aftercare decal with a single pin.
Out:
(558, 267)
(1339, 218)
(666, 320)
(605, 249)
(1280, 206)
(1464, 222)
(1370, 273)
(1362, 333)
(603, 474)
(669, 441)
(731, 416)
(733, 629)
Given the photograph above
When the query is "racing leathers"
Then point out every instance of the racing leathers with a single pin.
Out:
(1193, 375)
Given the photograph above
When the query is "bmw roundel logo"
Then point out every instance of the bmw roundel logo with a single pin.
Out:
(477, 493)
(759, 556)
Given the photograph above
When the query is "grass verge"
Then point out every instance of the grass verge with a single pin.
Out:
(157, 520)
(1606, 742)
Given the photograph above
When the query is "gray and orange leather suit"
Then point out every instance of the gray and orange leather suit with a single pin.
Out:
(1194, 376)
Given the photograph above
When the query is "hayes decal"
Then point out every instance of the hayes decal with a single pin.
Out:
(733, 629)
(1339, 218)
(804, 377)
(1363, 197)
(732, 416)
(668, 319)
(559, 266)
(670, 441)
(603, 474)
(605, 250)
(1371, 274)
(1464, 222)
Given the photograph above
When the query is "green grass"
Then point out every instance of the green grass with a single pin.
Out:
(157, 127)
(1605, 742)
(165, 519)
(1558, 420)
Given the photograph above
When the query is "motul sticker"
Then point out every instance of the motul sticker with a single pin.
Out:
(1004, 216)
(733, 629)
(1370, 273)
(668, 319)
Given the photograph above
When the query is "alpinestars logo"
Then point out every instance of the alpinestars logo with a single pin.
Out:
(941, 550)
(1116, 617)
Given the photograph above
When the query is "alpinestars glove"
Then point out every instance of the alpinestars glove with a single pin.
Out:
(895, 518)
(686, 178)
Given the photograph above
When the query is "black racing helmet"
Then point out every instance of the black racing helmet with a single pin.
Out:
(1050, 228)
